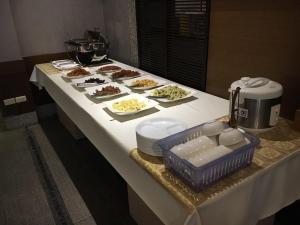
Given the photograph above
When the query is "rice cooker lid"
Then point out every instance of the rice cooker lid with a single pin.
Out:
(257, 88)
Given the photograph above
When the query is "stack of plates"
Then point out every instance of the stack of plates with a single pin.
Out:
(149, 132)
(65, 64)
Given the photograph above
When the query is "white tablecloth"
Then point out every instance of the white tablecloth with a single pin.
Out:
(114, 137)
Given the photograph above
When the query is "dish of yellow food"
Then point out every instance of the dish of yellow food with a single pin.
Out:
(144, 83)
(130, 105)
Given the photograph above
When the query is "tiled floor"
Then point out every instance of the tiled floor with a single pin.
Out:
(101, 187)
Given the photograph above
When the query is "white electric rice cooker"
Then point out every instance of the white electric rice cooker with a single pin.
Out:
(255, 103)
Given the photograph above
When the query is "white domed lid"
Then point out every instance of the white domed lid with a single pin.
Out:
(257, 88)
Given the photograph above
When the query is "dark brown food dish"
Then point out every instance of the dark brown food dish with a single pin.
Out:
(78, 72)
(109, 68)
(124, 73)
(94, 80)
(108, 90)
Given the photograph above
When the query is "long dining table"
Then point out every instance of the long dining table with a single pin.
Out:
(114, 136)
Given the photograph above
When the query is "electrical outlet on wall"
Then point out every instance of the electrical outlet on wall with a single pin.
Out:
(9, 101)
(20, 99)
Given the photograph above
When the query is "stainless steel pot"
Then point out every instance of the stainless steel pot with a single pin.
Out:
(93, 48)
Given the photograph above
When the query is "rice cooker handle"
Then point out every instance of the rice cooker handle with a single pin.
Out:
(233, 120)
(258, 82)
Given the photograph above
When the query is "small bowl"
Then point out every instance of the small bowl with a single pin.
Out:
(192, 147)
(209, 155)
(203, 142)
(231, 136)
(213, 128)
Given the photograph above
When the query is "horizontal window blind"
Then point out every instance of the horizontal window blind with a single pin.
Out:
(151, 27)
(173, 39)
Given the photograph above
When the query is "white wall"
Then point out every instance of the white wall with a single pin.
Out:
(36, 27)
(116, 16)
(9, 46)
(43, 25)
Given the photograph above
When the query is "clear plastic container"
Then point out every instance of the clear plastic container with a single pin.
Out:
(198, 178)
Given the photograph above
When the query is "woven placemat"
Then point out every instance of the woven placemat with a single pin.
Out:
(48, 69)
(276, 144)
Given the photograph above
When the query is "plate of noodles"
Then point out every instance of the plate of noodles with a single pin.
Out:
(130, 104)
(107, 90)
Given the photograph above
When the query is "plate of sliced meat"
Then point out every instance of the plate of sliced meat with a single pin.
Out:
(107, 90)
(124, 75)
(76, 73)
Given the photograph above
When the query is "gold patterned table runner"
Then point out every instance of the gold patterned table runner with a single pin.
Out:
(48, 69)
(275, 144)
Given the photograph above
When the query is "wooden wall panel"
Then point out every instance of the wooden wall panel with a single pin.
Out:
(14, 81)
(256, 38)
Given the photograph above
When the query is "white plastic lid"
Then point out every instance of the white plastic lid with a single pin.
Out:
(257, 88)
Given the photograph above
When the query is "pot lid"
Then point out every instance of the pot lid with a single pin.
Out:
(257, 88)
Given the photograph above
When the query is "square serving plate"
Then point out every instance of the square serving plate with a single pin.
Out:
(149, 104)
(79, 82)
(129, 83)
(91, 90)
(190, 91)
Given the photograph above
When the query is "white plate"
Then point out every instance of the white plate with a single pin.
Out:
(148, 132)
(79, 82)
(149, 104)
(63, 61)
(159, 82)
(190, 91)
(92, 90)
(65, 64)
